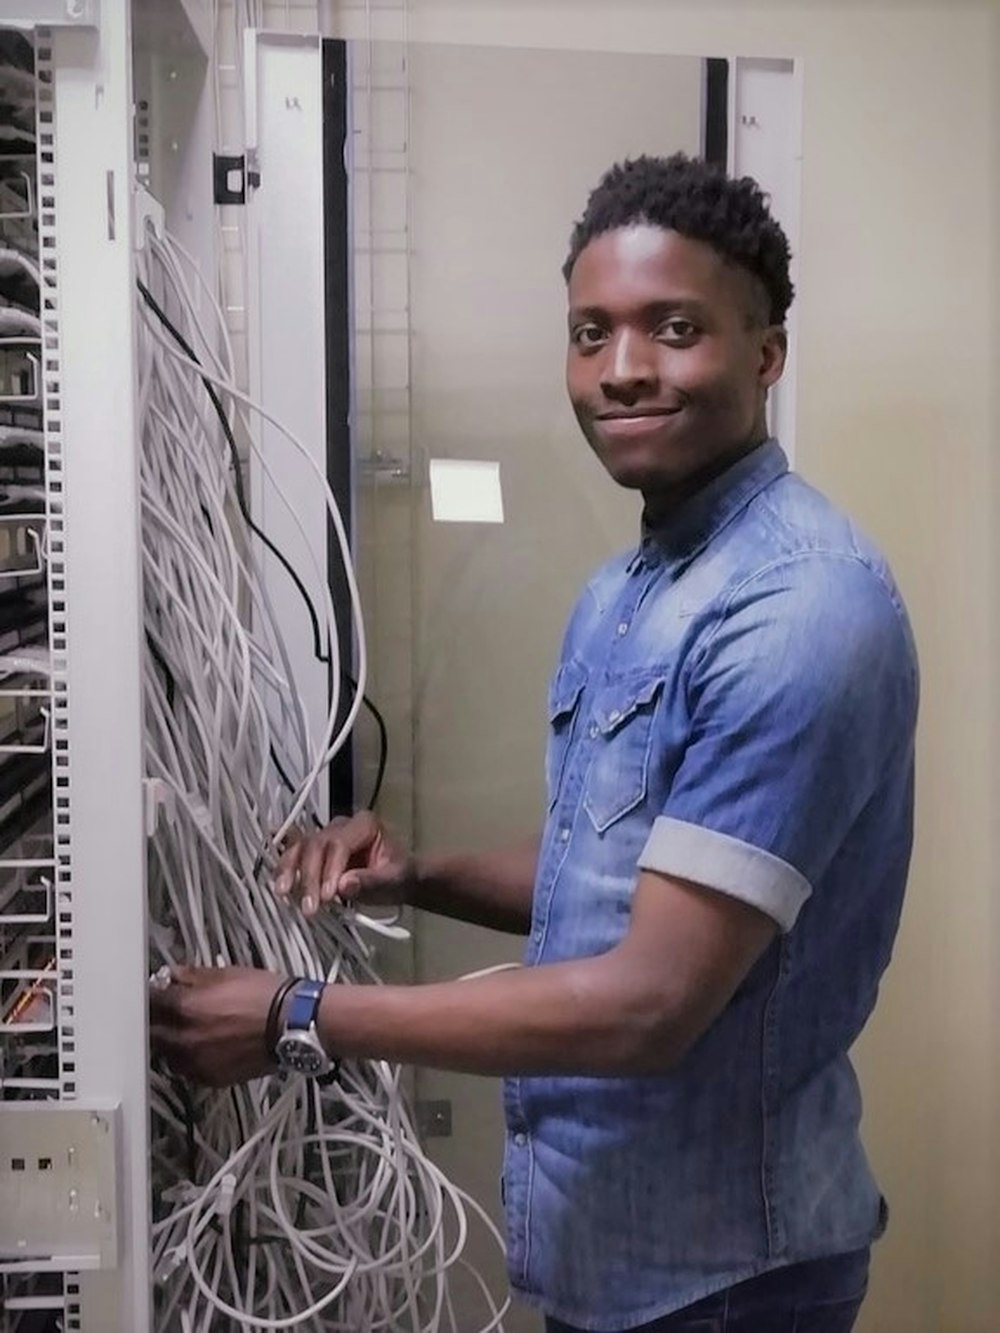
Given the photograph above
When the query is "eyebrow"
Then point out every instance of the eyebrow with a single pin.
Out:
(685, 304)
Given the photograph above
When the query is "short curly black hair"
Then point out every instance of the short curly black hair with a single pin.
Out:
(698, 200)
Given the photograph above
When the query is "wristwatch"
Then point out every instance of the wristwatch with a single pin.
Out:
(299, 1049)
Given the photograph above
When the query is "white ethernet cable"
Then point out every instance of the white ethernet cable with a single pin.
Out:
(330, 744)
(281, 1204)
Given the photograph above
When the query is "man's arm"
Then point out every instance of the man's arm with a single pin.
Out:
(357, 861)
(494, 889)
(634, 1010)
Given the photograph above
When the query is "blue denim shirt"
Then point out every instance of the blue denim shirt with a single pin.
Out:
(735, 705)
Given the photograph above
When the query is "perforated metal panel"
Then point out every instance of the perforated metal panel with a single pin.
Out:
(78, 993)
(35, 923)
(51, 381)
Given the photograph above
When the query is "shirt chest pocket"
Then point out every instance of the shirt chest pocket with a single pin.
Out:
(621, 735)
(564, 701)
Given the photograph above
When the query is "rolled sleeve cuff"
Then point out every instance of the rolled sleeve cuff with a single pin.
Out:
(727, 865)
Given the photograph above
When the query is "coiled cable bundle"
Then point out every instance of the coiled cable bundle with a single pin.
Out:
(282, 1203)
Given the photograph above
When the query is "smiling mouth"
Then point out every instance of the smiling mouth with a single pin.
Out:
(622, 426)
(638, 416)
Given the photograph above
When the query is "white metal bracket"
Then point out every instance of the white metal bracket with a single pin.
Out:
(58, 1186)
(253, 38)
(58, 13)
(147, 215)
(159, 795)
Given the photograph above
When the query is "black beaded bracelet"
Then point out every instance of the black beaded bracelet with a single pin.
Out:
(271, 1032)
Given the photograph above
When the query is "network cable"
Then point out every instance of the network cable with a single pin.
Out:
(280, 1204)
(322, 656)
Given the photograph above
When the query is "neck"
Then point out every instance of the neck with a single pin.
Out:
(660, 506)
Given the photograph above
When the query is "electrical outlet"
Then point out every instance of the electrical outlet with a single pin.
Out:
(434, 1119)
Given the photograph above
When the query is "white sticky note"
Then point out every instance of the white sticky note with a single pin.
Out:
(465, 490)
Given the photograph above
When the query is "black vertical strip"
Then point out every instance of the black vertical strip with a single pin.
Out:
(717, 111)
(338, 384)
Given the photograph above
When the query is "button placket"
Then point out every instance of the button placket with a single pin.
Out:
(557, 846)
(626, 611)
(578, 759)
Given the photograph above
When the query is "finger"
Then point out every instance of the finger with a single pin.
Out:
(184, 975)
(327, 853)
(311, 870)
(166, 1002)
(166, 1047)
(339, 837)
(332, 847)
(338, 854)
(288, 868)
(170, 1004)
(355, 874)
(162, 1041)
(356, 883)
(163, 1008)
(172, 1052)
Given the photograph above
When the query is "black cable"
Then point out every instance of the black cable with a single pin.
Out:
(161, 662)
(383, 752)
(187, 1104)
(241, 500)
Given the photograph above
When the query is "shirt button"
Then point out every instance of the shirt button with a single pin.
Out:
(564, 834)
(614, 715)
(594, 730)
(520, 1140)
(623, 628)
(536, 935)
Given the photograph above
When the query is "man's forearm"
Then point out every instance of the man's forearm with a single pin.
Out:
(595, 1016)
(493, 890)
(636, 1009)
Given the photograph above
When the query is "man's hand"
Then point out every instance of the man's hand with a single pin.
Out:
(208, 1024)
(353, 860)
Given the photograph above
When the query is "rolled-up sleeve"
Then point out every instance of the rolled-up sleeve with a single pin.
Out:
(802, 696)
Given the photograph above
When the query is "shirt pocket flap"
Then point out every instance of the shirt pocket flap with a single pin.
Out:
(617, 704)
(565, 690)
(621, 725)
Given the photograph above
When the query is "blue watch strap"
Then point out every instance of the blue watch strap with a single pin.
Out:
(303, 1004)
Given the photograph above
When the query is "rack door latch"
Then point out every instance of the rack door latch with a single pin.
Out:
(232, 175)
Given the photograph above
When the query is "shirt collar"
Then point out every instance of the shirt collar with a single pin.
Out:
(705, 514)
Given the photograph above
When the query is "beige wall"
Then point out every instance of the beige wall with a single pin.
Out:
(898, 288)
(504, 146)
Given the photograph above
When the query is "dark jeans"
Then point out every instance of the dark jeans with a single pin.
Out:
(822, 1296)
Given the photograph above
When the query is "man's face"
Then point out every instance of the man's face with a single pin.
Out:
(670, 358)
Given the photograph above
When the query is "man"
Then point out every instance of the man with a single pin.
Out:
(717, 886)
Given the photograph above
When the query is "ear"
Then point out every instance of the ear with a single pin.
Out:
(773, 352)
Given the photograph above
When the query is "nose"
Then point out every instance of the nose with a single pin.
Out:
(629, 371)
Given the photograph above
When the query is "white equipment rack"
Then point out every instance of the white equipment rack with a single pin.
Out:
(74, 1112)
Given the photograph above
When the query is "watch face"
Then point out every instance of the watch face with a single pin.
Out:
(299, 1054)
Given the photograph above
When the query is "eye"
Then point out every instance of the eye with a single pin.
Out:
(588, 337)
(676, 329)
